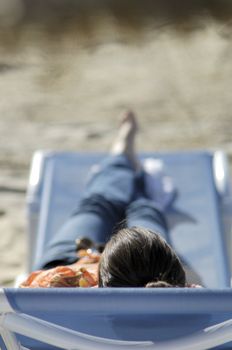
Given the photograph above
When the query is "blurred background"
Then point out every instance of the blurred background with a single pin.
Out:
(68, 68)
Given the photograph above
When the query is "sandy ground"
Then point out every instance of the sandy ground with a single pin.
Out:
(66, 93)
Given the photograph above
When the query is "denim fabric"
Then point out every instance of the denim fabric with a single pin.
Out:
(114, 195)
(144, 213)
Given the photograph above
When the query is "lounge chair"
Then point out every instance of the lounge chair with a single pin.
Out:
(140, 318)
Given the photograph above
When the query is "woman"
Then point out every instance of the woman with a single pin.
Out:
(136, 255)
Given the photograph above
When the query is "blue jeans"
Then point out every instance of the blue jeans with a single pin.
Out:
(113, 196)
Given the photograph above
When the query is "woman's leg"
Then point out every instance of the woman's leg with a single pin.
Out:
(144, 212)
(103, 203)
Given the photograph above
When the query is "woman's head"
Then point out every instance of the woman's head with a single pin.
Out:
(138, 257)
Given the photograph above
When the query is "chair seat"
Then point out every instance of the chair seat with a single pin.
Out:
(195, 221)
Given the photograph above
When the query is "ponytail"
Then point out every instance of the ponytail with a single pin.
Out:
(159, 284)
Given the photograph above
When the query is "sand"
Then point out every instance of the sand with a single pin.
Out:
(65, 93)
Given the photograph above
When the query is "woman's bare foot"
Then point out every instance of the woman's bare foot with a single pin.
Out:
(125, 141)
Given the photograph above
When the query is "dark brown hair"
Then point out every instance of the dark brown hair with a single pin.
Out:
(137, 257)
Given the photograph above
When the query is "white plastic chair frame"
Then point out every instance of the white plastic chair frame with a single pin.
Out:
(64, 338)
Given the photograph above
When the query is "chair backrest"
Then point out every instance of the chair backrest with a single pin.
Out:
(177, 315)
(196, 228)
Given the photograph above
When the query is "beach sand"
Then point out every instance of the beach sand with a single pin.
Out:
(65, 93)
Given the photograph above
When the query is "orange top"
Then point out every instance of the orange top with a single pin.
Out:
(83, 273)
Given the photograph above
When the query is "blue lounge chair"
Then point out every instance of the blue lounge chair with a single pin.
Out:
(129, 318)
